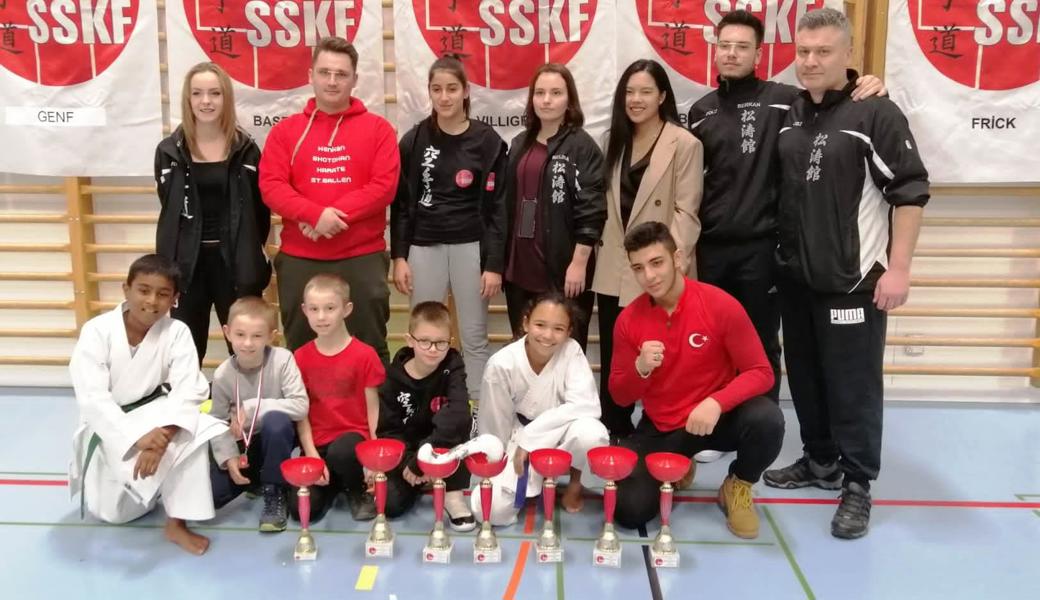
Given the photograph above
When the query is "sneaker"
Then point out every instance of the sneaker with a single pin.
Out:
(853, 515)
(276, 510)
(362, 506)
(736, 503)
(804, 472)
(687, 480)
(707, 456)
(460, 518)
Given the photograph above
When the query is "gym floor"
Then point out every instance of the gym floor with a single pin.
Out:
(956, 515)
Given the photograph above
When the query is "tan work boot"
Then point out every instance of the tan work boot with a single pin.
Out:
(736, 502)
(687, 479)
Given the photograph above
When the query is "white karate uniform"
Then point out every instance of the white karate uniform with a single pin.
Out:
(107, 375)
(562, 403)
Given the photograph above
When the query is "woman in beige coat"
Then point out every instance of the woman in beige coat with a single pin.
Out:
(656, 170)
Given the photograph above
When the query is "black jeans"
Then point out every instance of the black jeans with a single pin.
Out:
(617, 419)
(345, 475)
(755, 429)
(272, 444)
(834, 346)
(746, 270)
(401, 495)
(517, 299)
(212, 285)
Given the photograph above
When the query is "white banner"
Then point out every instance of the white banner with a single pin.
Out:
(681, 36)
(501, 44)
(79, 87)
(965, 74)
(266, 49)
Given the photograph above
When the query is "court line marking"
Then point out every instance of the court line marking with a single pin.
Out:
(521, 557)
(651, 571)
(366, 579)
(790, 555)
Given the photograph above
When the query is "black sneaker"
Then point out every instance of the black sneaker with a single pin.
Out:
(276, 510)
(804, 472)
(362, 506)
(853, 515)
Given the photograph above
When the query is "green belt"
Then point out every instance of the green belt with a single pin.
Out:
(95, 441)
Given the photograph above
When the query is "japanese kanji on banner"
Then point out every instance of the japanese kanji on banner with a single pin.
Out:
(501, 43)
(266, 49)
(681, 36)
(79, 87)
(965, 74)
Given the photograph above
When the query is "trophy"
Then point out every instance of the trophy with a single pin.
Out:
(302, 472)
(379, 456)
(610, 463)
(666, 467)
(550, 463)
(485, 547)
(438, 547)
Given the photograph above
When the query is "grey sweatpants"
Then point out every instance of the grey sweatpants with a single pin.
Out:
(435, 270)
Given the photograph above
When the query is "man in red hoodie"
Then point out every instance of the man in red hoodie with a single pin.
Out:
(690, 353)
(330, 172)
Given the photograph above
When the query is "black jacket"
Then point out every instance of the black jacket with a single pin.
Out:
(434, 410)
(739, 124)
(492, 209)
(244, 233)
(580, 216)
(845, 165)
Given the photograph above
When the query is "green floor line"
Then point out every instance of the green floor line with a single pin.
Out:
(790, 556)
(34, 473)
(559, 581)
(648, 541)
(1026, 497)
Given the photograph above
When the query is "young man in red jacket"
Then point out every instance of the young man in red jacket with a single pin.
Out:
(690, 353)
(330, 172)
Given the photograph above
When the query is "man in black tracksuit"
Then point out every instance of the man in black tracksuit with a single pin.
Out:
(853, 188)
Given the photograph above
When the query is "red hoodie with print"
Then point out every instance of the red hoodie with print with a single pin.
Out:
(348, 160)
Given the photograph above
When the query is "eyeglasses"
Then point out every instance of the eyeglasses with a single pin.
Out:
(327, 74)
(438, 345)
(740, 47)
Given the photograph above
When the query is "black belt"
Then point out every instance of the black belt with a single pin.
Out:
(523, 420)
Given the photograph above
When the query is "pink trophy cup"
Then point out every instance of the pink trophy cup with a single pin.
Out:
(438, 547)
(303, 472)
(380, 456)
(666, 467)
(550, 463)
(485, 548)
(610, 463)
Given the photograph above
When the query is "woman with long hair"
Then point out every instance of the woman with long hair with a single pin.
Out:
(555, 201)
(212, 221)
(656, 173)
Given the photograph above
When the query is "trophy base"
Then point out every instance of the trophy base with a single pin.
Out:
(437, 555)
(549, 555)
(601, 558)
(379, 549)
(311, 554)
(493, 555)
(662, 560)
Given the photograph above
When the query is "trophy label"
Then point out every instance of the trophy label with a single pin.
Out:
(487, 556)
(664, 561)
(437, 555)
(379, 550)
(606, 559)
(311, 555)
(549, 555)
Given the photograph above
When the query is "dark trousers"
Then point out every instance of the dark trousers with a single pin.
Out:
(211, 285)
(401, 495)
(369, 293)
(345, 475)
(755, 429)
(746, 270)
(618, 419)
(834, 348)
(517, 299)
(271, 444)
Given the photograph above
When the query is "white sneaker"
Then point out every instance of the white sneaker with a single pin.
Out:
(460, 518)
(707, 456)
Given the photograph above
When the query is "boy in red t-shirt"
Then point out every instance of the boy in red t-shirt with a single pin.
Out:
(342, 375)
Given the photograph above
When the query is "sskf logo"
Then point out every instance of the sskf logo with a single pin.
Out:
(682, 32)
(265, 44)
(64, 42)
(847, 316)
(986, 44)
(501, 42)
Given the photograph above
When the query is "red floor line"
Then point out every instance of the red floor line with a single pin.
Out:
(40, 482)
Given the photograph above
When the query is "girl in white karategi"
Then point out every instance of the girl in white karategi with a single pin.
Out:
(539, 392)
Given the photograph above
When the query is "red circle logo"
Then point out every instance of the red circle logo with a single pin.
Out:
(684, 35)
(599, 559)
(64, 43)
(429, 556)
(480, 558)
(268, 45)
(371, 550)
(502, 41)
(543, 557)
(464, 178)
(658, 562)
(983, 45)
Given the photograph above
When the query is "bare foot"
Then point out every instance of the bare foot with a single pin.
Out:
(177, 532)
(571, 499)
